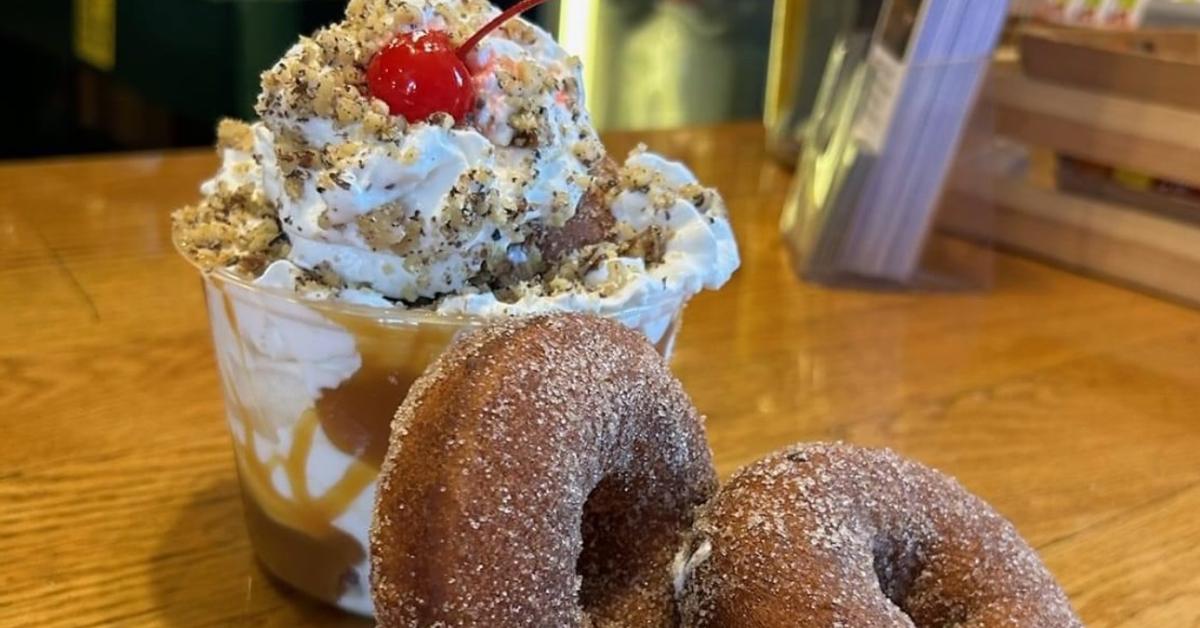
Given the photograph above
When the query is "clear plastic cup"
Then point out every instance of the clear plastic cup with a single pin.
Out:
(310, 390)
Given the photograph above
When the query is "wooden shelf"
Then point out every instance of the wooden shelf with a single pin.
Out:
(1106, 240)
(1156, 140)
(1056, 103)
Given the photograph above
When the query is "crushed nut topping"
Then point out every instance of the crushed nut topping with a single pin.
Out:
(235, 134)
(322, 138)
(234, 228)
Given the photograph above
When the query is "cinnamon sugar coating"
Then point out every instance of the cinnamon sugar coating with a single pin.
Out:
(542, 473)
(834, 535)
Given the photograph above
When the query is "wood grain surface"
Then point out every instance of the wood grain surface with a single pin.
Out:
(1072, 405)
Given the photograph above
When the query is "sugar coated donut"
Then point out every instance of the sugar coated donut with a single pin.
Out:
(542, 473)
(834, 535)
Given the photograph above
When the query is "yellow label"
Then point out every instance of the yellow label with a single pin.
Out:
(1133, 180)
(96, 32)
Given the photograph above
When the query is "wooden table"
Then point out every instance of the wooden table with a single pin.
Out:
(1072, 405)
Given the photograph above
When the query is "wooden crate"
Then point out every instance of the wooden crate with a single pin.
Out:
(1073, 96)
(1149, 66)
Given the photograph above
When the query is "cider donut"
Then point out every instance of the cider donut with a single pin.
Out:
(834, 535)
(542, 473)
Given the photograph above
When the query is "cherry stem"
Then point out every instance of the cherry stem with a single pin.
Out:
(508, 14)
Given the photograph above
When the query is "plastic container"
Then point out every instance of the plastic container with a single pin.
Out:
(310, 390)
(898, 162)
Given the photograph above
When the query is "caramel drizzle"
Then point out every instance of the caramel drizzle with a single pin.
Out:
(302, 511)
(391, 361)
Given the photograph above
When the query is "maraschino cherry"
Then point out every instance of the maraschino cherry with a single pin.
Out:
(420, 73)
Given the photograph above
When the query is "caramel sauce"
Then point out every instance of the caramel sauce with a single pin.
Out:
(357, 415)
(294, 535)
(321, 566)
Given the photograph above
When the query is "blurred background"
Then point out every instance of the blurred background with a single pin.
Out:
(105, 75)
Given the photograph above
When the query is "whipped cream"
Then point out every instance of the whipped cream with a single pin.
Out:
(340, 200)
(700, 253)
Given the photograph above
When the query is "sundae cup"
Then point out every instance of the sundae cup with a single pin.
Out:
(361, 224)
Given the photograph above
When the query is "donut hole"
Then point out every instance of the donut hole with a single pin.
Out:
(897, 563)
(624, 540)
(598, 564)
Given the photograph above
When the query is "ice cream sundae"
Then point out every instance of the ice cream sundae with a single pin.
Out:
(417, 168)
